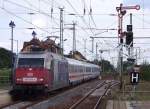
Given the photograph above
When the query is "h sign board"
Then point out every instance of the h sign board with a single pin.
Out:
(134, 77)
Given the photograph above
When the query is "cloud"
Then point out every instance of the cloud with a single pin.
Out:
(39, 22)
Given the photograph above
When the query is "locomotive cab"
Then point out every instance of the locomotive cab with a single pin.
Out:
(30, 72)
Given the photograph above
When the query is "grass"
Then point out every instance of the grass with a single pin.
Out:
(140, 88)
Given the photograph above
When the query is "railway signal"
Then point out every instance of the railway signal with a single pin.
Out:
(121, 12)
(129, 38)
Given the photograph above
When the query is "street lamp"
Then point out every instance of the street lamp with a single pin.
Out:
(16, 45)
(34, 34)
(12, 25)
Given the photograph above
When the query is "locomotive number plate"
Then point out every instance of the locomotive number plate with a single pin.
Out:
(29, 79)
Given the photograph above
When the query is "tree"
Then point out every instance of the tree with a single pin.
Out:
(127, 66)
(106, 66)
(5, 58)
(145, 71)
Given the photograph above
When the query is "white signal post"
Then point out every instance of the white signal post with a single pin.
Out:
(121, 12)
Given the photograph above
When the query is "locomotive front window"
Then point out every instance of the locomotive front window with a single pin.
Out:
(30, 62)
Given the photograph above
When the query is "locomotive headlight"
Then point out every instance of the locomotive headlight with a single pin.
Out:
(19, 79)
(41, 79)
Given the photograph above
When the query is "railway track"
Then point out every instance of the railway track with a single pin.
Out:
(82, 103)
(33, 104)
(24, 104)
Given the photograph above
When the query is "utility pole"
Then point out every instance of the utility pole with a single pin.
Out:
(121, 12)
(74, 37)
(16, 45)
(96, 51)
(85, 47)
(12, 25)
(102, 66)
(61, 30)
(96, 37)
(92, 44)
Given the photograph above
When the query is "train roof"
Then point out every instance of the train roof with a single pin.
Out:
(82, 63)
(32, 55)
(41, 55)
(44, 54)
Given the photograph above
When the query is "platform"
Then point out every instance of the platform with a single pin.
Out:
(115, 104)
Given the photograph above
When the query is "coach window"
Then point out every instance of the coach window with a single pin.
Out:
(81, 69)
(86, 69)
(76, 68)
(72, 68)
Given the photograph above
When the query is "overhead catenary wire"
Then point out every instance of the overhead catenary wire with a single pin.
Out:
(35, 11)
(9, 12)
(89, 13)
(79, 16)
(42, 12)
(28, 9)
(141, 19)
(49, 16)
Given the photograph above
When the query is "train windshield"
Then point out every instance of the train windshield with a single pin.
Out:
(31, 62)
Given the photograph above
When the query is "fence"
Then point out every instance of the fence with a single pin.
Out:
(5, 77)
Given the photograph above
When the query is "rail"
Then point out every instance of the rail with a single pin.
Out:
(105, 93)
(108, 86)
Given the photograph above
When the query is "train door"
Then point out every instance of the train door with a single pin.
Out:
(61, 77)
(63, 73)
(54, 69)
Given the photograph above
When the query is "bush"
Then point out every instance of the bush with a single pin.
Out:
(5, 58)
(145, 72)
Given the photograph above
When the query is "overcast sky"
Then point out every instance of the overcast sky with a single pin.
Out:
(103, 16)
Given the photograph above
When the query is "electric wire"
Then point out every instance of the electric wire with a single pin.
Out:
(32, 10)
(9, 12)
(79, 16)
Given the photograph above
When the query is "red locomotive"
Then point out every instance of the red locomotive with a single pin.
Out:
(40, 66)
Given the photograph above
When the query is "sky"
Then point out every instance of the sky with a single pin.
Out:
(37, 14)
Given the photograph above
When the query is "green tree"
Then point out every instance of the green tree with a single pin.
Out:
(127, 66)
(5, 58)
(106, 66)
(145, 71)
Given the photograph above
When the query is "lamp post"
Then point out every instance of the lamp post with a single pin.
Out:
(12, 26)
(16, 45)
(102, 66)
(34, 34)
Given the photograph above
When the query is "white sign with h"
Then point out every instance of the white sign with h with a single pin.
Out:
(135, 77)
